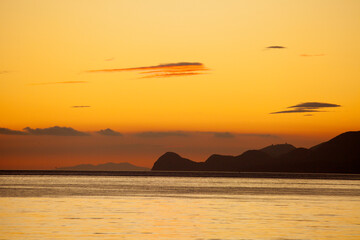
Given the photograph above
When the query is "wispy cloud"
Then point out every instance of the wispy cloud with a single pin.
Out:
(65, 82)
(223, 135)
(81, 106)
(164, 75)
(55, 131)
(275, 47)
(228, 135)
(308, 107)
(312, 55)
(8, 131)
(68, 131)
(296, 111)
(4, 72)
(110, 59)
(162, 134)
(108, 132)
(163, 70)
(234, 134)
(314, 105)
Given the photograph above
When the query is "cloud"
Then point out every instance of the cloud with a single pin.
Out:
(314, 105)
(201, 133)
(68, 131)
(275, 47)
(81, 106)
(163, 70)
(65, 82)
(163, 75)
(8, 131)
(296, 111)
(55, 131)
(4, 72)
(162, 134)
(312, 55)
(223, 135)
(233, 135)
(110, 59)
(308, 107)
(108, 132)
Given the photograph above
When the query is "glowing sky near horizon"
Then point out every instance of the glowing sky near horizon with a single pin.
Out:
(163, 66)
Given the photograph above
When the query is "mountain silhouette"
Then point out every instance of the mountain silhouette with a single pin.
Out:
(105, 167)
(278, 149)
(338, 155)
(173, 162)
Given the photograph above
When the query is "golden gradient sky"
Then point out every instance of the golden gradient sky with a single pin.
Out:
(48, 48)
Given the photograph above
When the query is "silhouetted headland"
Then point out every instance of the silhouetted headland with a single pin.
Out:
(338, 155)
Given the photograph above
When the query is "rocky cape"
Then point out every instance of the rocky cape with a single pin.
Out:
(338, 155)
(125, 166)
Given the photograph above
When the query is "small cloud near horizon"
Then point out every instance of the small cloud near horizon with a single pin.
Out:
(162, 134)
(223, 135)
(68, 131)
(308, 107)
(234, 134)
(163, 70)
(109, 132)
(7, 131)
(55, 131)
(199, 133)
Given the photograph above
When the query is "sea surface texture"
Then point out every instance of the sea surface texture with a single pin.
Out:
(153, 207)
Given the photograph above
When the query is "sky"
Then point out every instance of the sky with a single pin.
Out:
(194, 77)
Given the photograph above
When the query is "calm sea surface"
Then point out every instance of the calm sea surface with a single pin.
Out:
(153, 207)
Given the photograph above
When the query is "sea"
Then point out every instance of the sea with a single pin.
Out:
(198, 206)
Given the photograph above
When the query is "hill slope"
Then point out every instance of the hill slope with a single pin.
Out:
(338, 155)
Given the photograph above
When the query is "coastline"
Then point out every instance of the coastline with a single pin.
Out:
(283, 175)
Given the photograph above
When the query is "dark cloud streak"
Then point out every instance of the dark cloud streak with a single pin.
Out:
(308, 107)
(108, 132)
(314, 105)
(7, 131)
(162, 134)
(55, 131)
(296, 111)
(275, 47)
(223, 135)
(163, 70)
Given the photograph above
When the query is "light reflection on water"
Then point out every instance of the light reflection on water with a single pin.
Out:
(98, 207)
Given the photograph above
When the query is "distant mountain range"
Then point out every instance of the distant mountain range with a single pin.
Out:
(338, 155)
(105, 167)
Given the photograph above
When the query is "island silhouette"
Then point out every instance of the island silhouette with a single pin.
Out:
(341, 154)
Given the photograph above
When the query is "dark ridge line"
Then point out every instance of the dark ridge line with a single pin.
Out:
(208, 174)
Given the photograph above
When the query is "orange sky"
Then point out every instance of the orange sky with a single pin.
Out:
(200, 67)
